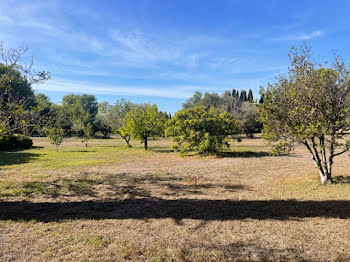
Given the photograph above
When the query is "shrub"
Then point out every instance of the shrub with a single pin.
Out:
(55, 134)
(201, 131)
(11, 142)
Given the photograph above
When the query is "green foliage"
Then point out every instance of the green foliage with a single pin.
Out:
(282, 147)
(80, 110)
(228, 101)
(55, 134)
(19, 112)
(310, 106)
(201, 131)
(12, 142)
(250, 97)
(88, 133)
(114, 118)
(249, 118)
(100, 124)
(143, 123)
(16, 84)
(243, 96)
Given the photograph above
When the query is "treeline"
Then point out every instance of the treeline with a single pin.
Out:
(204, 125)
(240, 104)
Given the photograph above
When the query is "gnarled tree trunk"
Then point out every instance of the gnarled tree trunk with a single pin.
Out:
(319, 155)
(127, 140)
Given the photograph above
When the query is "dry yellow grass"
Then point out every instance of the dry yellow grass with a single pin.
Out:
(109, 203)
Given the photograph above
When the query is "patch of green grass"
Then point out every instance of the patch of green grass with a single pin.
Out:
(73, 156)
(80, 186)
(97, 241)
(12, 189)
(309, 187)
(159, 257)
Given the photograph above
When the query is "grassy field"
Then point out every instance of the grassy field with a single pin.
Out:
(109, 203)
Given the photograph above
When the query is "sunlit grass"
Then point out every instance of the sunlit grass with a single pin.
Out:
(73, 155)
(106, 202)
(308, 187)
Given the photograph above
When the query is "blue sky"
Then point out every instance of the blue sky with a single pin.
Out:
(161, 51)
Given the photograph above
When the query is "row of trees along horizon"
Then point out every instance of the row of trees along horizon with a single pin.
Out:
(310, 106)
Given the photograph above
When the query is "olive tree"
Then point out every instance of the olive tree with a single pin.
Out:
(143, 123)
(310, 105)
(115, 118)
(55, 134)
(200, 130)
(88, 132)
(249, 118)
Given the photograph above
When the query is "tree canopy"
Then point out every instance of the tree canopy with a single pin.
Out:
(202, 131)
(310, 105)
(143, 123)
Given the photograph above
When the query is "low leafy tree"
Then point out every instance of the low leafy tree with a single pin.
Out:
(249, 119)
(80, 110)
(311, 105)
(143, 123)
(88, 132)
(115, 118)
(101, 124)
(55, 134)
(202, 131)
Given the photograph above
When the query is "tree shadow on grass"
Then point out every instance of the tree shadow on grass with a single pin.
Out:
(156, 208)
(341, 179)
(37, 147)
(162, 150)
(16, 157)
(244, 154)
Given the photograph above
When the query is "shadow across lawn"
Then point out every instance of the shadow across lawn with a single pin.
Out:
(156, 208)
(341, 179)
(16, 157)
(244, 154)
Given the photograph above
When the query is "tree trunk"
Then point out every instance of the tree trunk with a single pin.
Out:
(145, 143)
(56, 148)
(326, 178)
(325, 175)
(127, 140)
(321, 164)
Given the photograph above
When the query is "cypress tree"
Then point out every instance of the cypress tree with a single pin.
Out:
(243, 96)
(233, 92)
(261, 100)
(250, 96)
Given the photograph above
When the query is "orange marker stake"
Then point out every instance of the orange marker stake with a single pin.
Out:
(195, 180)
(189, 180)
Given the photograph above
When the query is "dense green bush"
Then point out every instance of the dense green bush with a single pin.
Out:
(11, 142)
(201, 131)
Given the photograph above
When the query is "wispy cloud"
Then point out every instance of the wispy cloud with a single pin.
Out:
(299, 36)
(89, 55)
(223, 61)
(138, 48)
(69, 86)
